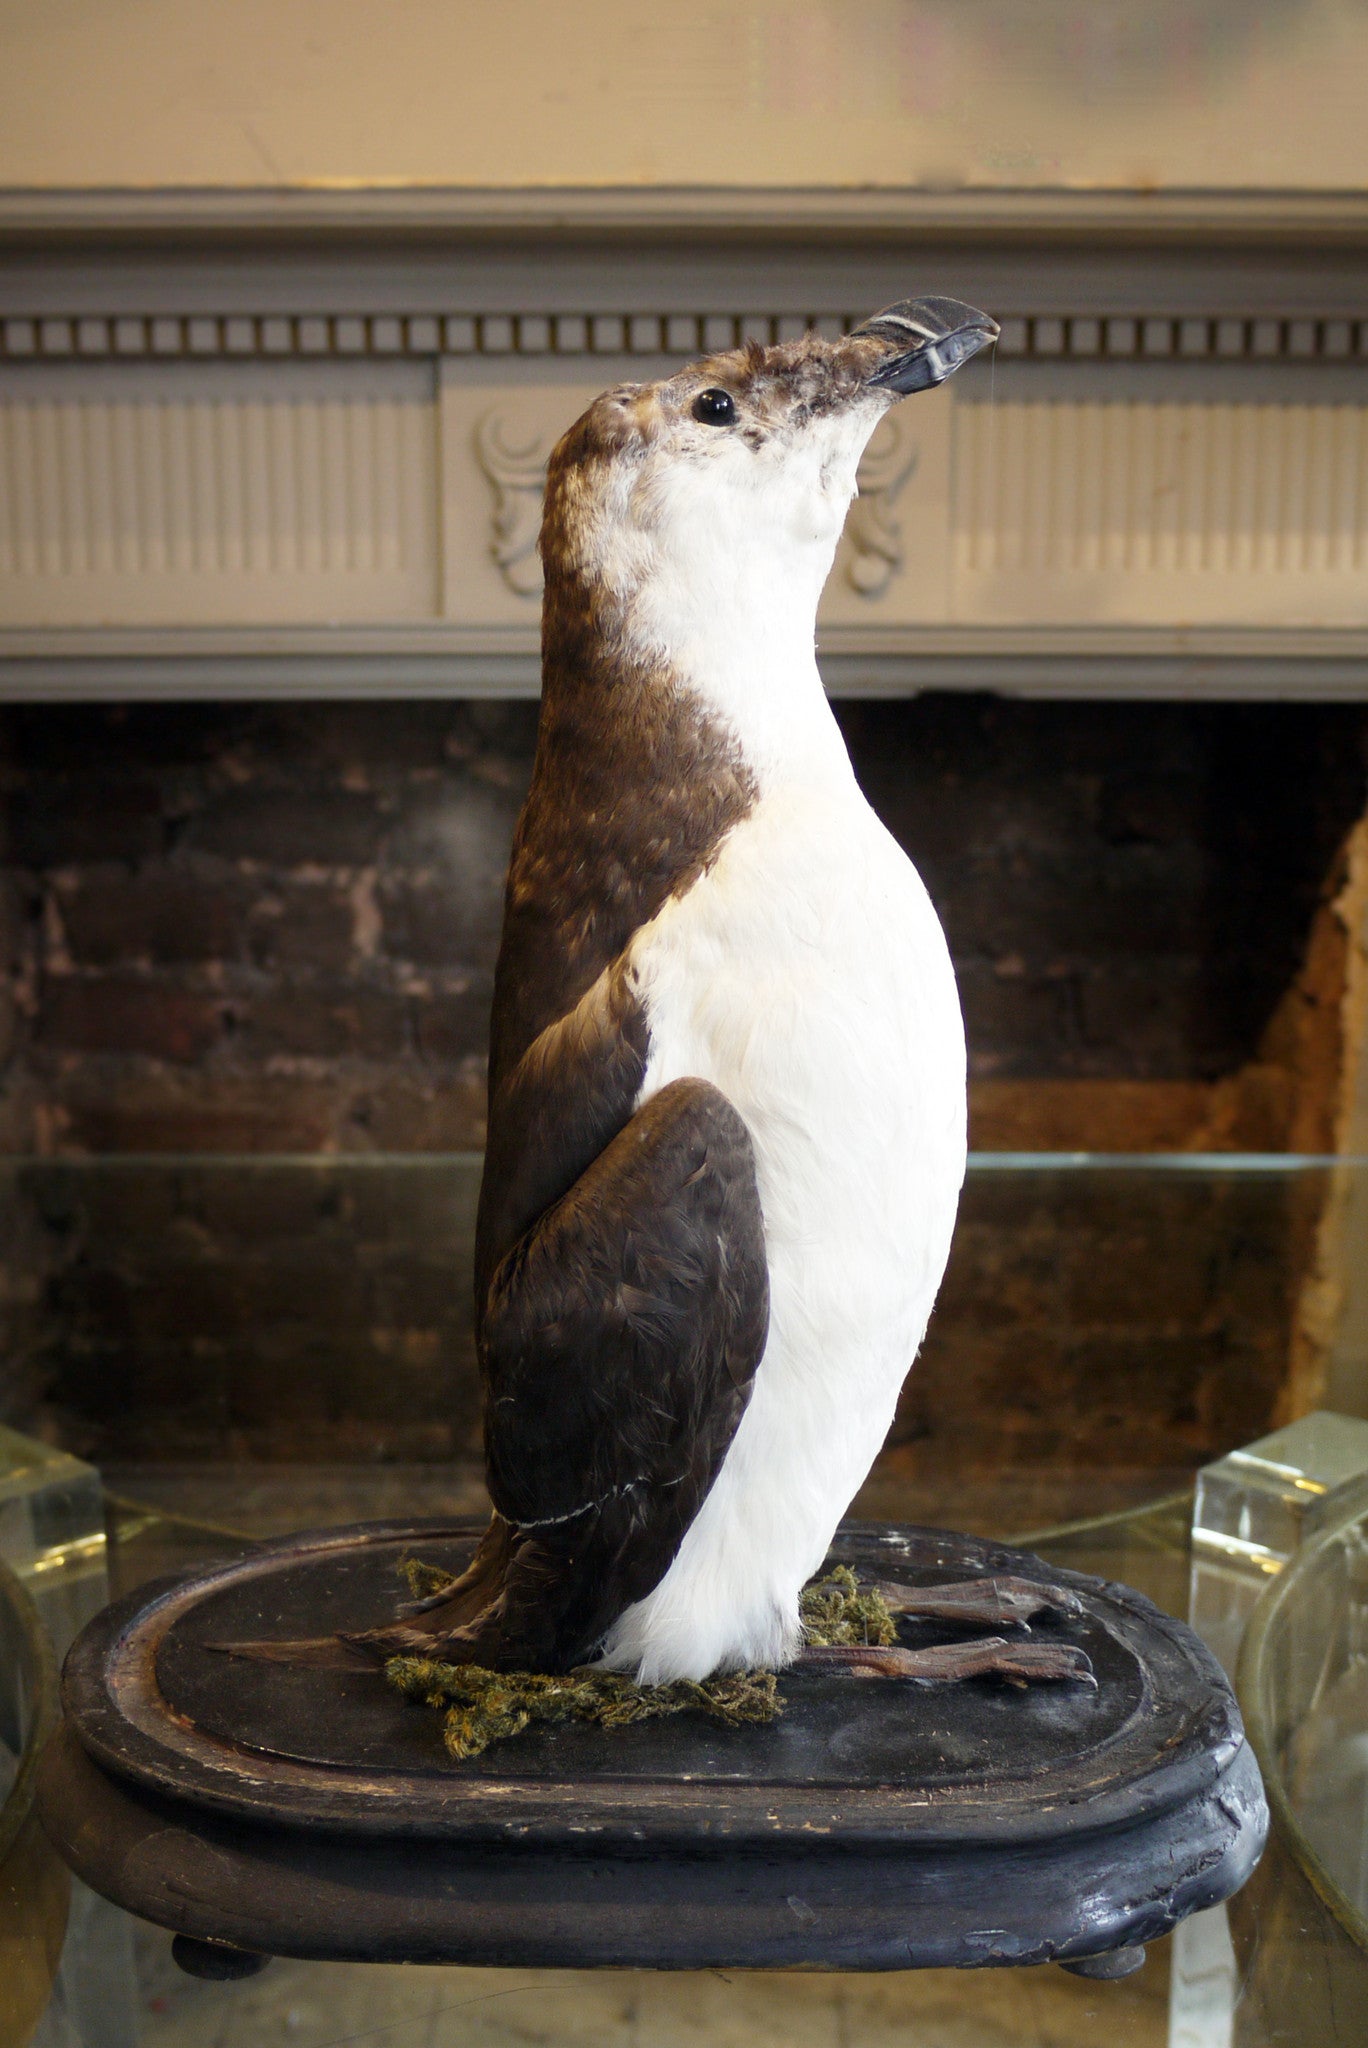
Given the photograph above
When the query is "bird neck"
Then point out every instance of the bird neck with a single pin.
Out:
(743, 641)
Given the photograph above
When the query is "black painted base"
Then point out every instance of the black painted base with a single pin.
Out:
(259, 1809)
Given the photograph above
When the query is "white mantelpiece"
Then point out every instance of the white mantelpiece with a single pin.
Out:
(309, 462)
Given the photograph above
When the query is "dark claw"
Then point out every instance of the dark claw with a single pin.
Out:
(314, 1653)
(426, 1603)
(1043, 1664)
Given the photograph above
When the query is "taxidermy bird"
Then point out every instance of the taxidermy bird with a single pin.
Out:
(727, 1070)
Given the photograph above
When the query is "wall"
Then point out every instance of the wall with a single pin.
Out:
(753, 92)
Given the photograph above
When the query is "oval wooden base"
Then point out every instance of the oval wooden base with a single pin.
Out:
(876, 1825)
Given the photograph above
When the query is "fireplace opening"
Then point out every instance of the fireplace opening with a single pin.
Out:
(248, 954)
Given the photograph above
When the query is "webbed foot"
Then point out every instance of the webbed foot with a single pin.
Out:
(1017, 1663)
(1000, 1602)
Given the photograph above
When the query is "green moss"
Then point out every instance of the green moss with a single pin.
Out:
(423, 1580)
(488, 1706)
(834, 1610)
(483, 1706)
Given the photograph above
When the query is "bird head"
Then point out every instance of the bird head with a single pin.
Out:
(741, 465)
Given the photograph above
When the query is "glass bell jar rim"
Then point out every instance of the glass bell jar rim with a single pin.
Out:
(36, 1673)
(1262, 1654)
(431, 1161)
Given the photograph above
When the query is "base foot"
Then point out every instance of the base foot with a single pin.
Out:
(216, 1961)
(1108, 1967)
(999, 1601)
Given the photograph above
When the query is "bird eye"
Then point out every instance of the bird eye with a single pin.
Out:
(716, 408)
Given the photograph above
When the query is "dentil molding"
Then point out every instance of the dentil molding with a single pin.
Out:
(1136, 336)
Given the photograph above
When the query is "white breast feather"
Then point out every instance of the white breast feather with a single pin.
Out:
(806, 975)
(808, 979)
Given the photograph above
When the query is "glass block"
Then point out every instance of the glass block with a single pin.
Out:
(52, 1532)
(1253, 1509)
(1257, 1504)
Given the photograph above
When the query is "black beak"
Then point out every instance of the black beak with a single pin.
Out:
(929, 339)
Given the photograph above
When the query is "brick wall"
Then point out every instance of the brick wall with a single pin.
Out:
(1128, 888)
(260, 928)
(257, 929)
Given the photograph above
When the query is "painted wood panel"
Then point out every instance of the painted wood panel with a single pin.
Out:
(1163, 505)
(217, 493)
(397, 495)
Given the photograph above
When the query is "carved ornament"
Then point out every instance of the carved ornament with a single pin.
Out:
(515, 463)
(876, 551)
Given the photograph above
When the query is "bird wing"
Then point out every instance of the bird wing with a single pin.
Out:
(552, 1112)
(619, 1337)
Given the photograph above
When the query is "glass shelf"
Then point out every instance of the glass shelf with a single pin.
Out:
(1129, 1316)
(1303, 1685)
